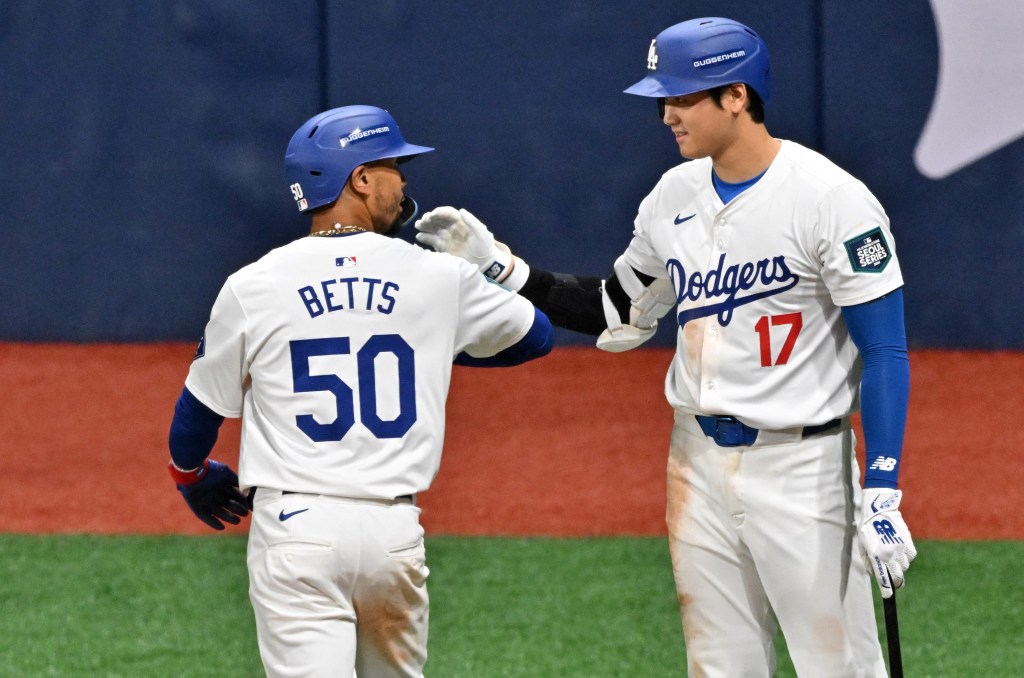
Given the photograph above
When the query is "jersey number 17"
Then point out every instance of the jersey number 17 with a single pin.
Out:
(763, 328)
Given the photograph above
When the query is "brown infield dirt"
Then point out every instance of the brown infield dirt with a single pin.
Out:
(574, 444)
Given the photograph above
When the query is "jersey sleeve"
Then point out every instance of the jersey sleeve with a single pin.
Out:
(856, 246)
(219, 368)
(491, 318)
(640, 252)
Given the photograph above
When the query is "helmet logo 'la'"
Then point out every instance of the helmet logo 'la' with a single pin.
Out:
(652, 57)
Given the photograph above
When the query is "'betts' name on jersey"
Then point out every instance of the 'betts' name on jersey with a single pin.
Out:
(341, 294)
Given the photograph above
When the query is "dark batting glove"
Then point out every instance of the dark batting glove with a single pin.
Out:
(211, 491)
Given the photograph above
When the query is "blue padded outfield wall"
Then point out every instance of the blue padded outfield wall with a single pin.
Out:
(141, 144)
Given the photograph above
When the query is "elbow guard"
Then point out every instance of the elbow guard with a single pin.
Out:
(649, 300)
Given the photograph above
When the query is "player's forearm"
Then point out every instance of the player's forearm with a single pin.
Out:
(193, 431)
(885, 387)
(877, 329)
(572, 302)
(537, 343)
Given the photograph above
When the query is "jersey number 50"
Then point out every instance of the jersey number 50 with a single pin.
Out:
(304, 382)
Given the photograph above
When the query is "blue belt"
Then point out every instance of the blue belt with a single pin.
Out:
(731, 432)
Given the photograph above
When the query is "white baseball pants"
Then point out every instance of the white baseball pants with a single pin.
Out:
(338, 586)
(765, 536)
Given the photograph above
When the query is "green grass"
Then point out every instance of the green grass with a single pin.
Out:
(531, 608)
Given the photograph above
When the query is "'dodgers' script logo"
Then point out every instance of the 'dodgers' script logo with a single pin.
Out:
(728, 281)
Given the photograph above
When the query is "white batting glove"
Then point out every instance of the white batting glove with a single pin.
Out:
(458, 232)
(886, 539)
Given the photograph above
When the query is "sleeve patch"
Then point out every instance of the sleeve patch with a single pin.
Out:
(201, 348)
(868, 252)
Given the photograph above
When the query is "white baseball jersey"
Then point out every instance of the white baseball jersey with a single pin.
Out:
(337, 351)
(759, 283)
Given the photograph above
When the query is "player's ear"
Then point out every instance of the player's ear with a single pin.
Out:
(360, 180)
(734, 98)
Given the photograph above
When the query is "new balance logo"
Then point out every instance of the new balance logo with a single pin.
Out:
(883, 464)
(494, 270)
(886, 532)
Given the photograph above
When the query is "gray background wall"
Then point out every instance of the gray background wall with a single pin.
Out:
(141, 144)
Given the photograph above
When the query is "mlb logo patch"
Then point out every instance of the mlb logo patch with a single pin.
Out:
(869, 253)
(345, 262)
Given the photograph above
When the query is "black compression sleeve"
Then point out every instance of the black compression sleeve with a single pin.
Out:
(572, 302)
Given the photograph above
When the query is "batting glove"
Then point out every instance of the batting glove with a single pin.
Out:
(211, 491)
(458, 232)
(886, 539)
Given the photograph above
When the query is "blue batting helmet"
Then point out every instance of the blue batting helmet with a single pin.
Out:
(323, 152)
(700, 54)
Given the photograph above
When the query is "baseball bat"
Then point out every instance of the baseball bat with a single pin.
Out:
(892, 636)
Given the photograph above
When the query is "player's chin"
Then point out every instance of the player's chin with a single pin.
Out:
(691, 153)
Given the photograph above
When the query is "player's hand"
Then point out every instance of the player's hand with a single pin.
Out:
(211, 491)
(458, 232)
(886, 539)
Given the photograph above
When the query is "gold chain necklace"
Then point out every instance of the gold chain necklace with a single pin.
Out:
(338, 229)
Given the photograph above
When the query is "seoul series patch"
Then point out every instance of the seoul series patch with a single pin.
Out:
(868, 252)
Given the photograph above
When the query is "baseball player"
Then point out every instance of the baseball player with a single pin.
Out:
(336, 352)
(783, 274)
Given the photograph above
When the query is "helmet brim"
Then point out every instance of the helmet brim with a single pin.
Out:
(661, 85)
(409, 151)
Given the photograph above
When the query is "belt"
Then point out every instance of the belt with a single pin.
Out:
(404, 499)
(731, 432)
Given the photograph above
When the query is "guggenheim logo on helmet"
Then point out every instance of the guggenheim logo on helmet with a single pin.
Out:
(358, 135)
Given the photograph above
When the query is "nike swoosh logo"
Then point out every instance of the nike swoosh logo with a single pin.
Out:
(679, 221)
(285, 516)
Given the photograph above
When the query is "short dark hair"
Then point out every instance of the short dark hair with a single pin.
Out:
(755, 106)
